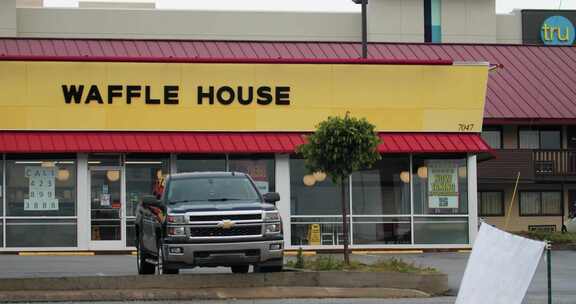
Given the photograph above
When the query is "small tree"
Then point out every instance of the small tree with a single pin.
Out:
(339, 147)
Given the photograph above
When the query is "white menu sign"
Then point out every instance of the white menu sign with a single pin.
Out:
(41, 189)
(442, 184)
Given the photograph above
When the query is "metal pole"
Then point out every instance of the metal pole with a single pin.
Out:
(364, 30)
(549, 269)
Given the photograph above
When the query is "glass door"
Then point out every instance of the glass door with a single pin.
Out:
(106, 208)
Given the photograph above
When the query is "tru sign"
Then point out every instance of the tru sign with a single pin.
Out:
(557, 30)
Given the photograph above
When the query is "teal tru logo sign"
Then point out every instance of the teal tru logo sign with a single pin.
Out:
(557, 30)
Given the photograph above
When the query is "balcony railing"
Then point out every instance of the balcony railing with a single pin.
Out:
(554, 162)
(532, 164)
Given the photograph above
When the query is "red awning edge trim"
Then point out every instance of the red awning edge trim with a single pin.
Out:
(225, 60)
(220, 142)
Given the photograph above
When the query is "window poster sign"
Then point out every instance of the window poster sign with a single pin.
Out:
(442, 184)
(41, 189)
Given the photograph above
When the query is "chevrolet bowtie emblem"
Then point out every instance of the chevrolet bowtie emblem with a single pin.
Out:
(226, 224)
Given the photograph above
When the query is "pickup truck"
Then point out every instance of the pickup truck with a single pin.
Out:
(208, 220)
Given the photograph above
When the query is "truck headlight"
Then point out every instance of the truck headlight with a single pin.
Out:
(273, 228)
(176, 231)
(176, 219)
(273, 216)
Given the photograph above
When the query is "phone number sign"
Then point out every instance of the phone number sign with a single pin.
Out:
(41, 189)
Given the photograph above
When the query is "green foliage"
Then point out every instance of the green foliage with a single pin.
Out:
(331, 263)
(341, 146)
(553, 237)
(299, 259)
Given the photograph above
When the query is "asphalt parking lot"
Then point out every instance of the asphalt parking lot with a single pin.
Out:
(453, 264)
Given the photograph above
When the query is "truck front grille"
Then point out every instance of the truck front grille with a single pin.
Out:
(221, 217)
(247, 230)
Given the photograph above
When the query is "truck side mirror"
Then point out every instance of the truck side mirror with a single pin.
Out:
(150, 200)
(271, 197)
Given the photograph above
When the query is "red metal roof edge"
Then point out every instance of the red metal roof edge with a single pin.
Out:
(227, 60)
(289, 41)
(530, 121)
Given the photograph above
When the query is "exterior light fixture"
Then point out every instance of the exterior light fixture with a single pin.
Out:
(47, 164)
(63, 175)
(319, 176)
(309, 180)
(405, 177)
(113, 175)
(423, 172)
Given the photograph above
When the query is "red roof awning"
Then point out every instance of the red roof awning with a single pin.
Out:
(202, 142)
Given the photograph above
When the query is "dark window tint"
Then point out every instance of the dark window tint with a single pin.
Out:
(493, 138)
(223, 189)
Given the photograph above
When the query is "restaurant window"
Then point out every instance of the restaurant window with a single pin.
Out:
(201, 162)
(315, 207)
(380, 196)
(536, 203)
(543, 139)
(492, 136)
(440, 187)
(491, 203)
(42, 190)
(145, 174)
(260, 167)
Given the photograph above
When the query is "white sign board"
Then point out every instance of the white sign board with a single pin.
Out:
(500, 268)
(41, 189)
(442, 184)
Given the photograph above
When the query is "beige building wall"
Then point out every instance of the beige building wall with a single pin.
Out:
(515, 221)
(396, 20)
(509, 28)
(8, 18)
(462, 21)
(468, 21)
(186, 24)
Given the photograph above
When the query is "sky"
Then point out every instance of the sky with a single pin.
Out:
(502, 6)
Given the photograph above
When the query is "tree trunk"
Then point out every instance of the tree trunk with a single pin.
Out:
(344, 220)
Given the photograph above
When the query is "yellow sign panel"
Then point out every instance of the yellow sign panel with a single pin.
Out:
(238, 97)
(314, 234)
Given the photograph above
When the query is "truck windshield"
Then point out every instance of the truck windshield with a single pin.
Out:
(217, 189)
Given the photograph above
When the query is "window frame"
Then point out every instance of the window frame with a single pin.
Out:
(502, 203)
(496, 129)
(540, 214)
(539, 130)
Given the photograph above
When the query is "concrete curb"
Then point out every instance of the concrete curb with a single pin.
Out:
(209, 294)
(213, 286)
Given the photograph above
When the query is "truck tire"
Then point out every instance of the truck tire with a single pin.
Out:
(163, 268)
(144, 267)
(240, 269)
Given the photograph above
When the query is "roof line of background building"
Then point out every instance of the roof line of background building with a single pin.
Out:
(152, 59)
(285, 41)
(530, 121)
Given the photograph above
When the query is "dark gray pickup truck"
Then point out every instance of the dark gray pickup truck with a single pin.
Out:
(209, 219)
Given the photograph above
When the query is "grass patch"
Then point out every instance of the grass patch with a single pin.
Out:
(553, 237)
(331, 263)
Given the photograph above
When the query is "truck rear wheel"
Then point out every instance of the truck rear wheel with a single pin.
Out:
(240, 269)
